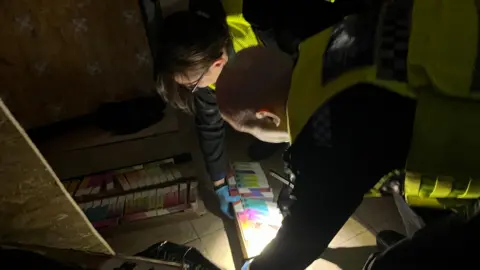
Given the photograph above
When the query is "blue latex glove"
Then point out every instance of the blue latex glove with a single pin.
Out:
(246, 265)
(226, 199)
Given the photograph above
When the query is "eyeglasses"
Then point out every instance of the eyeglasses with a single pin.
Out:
(194, 87)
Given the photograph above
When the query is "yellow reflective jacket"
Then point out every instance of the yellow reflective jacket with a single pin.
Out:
(427, 50)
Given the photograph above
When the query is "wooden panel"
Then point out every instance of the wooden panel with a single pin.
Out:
(60, 59)
(35, 209)
(116, 155)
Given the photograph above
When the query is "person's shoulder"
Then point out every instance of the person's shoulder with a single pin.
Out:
(205, 98)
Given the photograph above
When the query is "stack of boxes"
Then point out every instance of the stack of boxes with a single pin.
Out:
(257, 215)
(133, 193)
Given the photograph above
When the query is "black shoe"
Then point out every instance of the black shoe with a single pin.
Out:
(388, 238)
(259, 150)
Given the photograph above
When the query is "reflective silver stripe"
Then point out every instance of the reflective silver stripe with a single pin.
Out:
(392, 40)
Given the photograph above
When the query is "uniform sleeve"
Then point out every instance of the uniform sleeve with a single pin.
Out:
(291, 21)
(211, 132)
(345, 148)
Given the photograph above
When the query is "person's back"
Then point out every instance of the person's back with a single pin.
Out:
(352, 117)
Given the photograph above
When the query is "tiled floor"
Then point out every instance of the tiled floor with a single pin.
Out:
(214, 237)
(348, 250)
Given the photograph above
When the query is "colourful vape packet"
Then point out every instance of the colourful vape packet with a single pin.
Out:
(120, 207)
(109, 184)
(149, 170)
(96, 182)
(129, 204)
(169, 174)
(122, 180)
(144, 201)
(171, 197)
(192, 193)
(132, 178)
(152, 198)
(182, 194)
(159, 200)
(112, 206)
(73, 186)
(84, 188)
(161, 175)
(253, 193)
(137, 202)
(144, 178)
(176, 172)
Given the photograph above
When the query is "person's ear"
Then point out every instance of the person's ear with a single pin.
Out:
(220, 62)
(267, 115)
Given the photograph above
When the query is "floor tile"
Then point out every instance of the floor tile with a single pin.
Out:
(218, 249)
(136, 241)
(206, 224)
(351, 229)
(322, 264)
(374, 212)
(363, 239)
(352, 254)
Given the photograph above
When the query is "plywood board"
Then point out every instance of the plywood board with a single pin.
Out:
(35, 208)
(60, 59)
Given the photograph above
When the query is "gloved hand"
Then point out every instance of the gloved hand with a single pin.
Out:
(225, 199)
(246, 265)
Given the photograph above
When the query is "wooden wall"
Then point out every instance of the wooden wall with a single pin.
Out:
(62, 58)
(35, 209)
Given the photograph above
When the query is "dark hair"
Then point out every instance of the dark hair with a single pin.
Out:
(190, 42)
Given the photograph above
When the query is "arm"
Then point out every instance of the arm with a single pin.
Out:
(370, 133)
(211, 132)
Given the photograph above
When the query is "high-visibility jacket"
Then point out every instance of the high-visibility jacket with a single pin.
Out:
(241, 30)
(427, 50)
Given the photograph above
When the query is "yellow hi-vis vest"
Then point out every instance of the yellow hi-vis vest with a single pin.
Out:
(241, 31)
(427, 50)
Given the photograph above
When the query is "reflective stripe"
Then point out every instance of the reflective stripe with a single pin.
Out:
(425, 186)
(472, 190)
(393, 37)
(242, 33)
(241, 30)
(439, 203)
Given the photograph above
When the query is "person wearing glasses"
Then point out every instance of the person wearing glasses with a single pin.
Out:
(196, 45)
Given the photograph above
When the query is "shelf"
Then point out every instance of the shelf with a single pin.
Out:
(115, 193)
